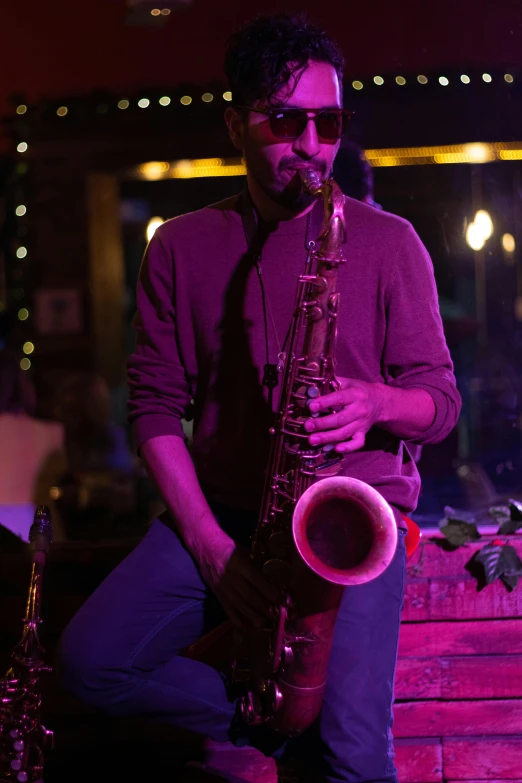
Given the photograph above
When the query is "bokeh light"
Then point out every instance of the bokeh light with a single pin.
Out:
(153, 224)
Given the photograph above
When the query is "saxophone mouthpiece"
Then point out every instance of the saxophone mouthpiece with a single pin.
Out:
(41, 531)
(311, 180)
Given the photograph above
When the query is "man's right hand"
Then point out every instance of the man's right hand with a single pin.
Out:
(243, 592)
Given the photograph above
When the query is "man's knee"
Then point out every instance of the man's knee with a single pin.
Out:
(85, 670)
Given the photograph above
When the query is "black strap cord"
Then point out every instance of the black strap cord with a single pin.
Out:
(256, 237)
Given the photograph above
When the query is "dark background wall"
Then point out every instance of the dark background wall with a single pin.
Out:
(57, 48)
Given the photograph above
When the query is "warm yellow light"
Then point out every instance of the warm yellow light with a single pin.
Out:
(21, 210)
(152, 225)
(479, 153)
(186, 100)
(55, 493)
(207, 97)
(465, 79)
(28, 348)
(21, 109)
(450, 157)
(444, 81)
(21, 252)
(357, 85)
(508, 78)
(400, 80)
(164, 101)
(475, 237)
(386, 160)
(227, 96)
(23, 314)
(508, 243)
(154, 169)
(484, 223)
(143, 103)
(62, 111)
(155, 12)
(123, 104)
(206, 162)
(487, 77)
(25, 364)
(422, 79)
(206, 167)
(510, 154)
(22, 147)
(378, 80)
(165, 11)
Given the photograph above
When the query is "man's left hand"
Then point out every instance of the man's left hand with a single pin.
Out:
(359, 405)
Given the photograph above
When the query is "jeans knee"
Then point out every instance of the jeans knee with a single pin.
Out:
(83, 670)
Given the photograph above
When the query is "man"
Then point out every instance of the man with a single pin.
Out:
(211, 322)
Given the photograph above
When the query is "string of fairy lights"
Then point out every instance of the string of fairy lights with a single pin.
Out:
(67, 110)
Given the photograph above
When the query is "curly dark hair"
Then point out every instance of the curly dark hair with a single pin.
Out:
(261, 57)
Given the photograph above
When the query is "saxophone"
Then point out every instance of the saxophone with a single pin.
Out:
(22, 736)
(317, 531)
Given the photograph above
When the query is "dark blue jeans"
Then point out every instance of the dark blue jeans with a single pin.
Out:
(120, 654)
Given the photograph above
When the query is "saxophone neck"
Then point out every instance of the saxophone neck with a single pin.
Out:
(333, 234)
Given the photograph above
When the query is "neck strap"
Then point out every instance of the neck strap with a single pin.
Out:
(256, 237)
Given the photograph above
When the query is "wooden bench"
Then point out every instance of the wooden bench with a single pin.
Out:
(458, 712)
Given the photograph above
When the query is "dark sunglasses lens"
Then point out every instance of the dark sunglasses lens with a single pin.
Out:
(288, 123)
(330, 125)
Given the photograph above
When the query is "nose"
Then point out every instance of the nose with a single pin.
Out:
(307, 144)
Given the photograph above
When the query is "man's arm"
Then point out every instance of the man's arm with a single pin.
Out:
(160, 393)
(418, 400)
(406, 413)
(171, 468)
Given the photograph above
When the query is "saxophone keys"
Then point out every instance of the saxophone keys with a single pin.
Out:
(279, 543)
(314, 313)
(287, 657)
(277, 571)
(276, 698)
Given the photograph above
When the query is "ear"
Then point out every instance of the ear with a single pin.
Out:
(236, 126)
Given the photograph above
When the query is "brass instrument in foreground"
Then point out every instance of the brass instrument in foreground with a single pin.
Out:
(22, 736)
(317, 531)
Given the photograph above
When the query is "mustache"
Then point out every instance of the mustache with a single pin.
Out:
(294, 162)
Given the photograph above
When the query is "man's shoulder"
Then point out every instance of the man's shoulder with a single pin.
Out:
(367, 219)
(201, 222)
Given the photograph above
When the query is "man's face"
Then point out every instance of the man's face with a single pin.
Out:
(274, 162)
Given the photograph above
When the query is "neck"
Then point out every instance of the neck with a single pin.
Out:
(268, 209)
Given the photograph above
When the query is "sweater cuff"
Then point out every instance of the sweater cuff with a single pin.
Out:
(442, 423)
(152, 425)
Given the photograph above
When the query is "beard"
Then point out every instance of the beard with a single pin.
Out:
(287, 191)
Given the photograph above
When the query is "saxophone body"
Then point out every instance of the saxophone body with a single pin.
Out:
(317, 531)
(22, 735)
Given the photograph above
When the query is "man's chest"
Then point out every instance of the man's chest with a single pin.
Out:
(249, 310)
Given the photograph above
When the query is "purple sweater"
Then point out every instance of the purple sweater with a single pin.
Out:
(201, 337)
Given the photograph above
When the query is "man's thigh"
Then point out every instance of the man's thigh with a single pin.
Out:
(151, 606)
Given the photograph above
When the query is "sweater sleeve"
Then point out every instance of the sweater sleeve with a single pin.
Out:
(159, 389)
(415, 353)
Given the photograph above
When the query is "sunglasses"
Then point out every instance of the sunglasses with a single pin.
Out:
(286, 123)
